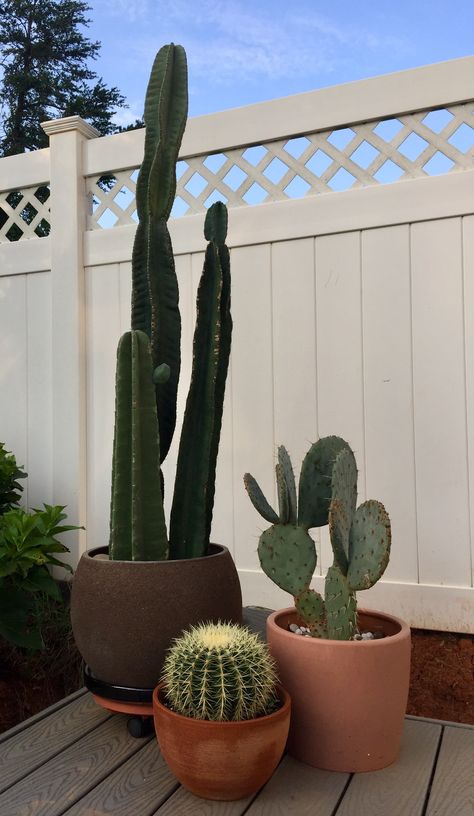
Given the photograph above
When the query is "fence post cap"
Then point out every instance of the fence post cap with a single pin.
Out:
(77, 123)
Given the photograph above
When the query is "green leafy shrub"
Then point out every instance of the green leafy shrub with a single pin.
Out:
(27, 543)
(10, 488)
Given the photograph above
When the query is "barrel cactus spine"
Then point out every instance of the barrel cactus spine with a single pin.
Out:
(360, 538)
(220, 672)
(155, 313)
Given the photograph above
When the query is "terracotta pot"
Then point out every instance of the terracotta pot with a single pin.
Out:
(125, 613)
(349, 697)
(221, 760)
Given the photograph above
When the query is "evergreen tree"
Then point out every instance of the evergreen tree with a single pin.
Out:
(45, 59)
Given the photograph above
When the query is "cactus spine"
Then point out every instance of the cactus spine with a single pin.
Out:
(360, 538)
(137, 482)
(220, 672)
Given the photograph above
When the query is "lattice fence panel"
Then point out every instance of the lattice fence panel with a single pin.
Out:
(377, 152)
(24, 214)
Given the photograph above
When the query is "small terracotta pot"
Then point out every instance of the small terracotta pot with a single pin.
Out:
(125, 614)
(349, 697)
(221, 760)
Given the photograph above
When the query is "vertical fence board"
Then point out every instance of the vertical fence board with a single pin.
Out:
(339, 350)
(40, 394)
(103, 331)
(388, 400)
(125, 296)
(252, 392)
(439, 403)
(468, 274)
(184, 265)
(294, 350)
(13, 370)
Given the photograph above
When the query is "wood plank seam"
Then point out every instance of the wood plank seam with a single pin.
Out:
(433, 772)
(342, 795)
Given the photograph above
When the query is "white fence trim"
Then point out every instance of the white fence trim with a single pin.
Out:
(424, 606)
(68, 219)
(444, 83)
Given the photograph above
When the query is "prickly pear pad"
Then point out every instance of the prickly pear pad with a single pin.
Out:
(344, 482)
(310, 605)
(314, 493)
(369, 545)
(288, 556)
(339, 529)
(287, 469)
(341, 607)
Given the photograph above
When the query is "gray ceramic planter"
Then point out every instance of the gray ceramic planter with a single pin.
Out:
(126, 613)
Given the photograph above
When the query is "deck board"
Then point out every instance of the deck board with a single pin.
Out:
(63, 780)
(140, 785)
(75, 759)
(299, 790)
(183, 803)
(452, 791)
(28, 749)
(400, 789)
(40, 715)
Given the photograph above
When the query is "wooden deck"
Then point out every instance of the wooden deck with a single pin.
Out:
(75, 758)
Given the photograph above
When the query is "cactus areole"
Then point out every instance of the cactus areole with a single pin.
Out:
(148, 356)
(360, 536)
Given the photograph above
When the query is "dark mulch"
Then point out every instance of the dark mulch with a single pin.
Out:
(442, 676)
(31, 681)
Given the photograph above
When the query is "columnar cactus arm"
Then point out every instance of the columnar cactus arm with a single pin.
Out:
(154, 286)
(215, 229)
(137, 523)
(195, 473)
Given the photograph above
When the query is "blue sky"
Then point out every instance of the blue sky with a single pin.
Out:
(244, 51)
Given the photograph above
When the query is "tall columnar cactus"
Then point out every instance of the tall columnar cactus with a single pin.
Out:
(137, 523)
(154, 286)
(220, 671)
(138, 528)
(191, 513)
(360, 538)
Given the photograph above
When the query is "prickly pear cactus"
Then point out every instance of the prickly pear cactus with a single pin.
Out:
(360, 538)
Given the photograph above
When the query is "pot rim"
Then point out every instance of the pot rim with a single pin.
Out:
(217, 549)
(280, 713)
(272, 621)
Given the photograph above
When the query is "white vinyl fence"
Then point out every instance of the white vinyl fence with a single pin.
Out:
(351, 228)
